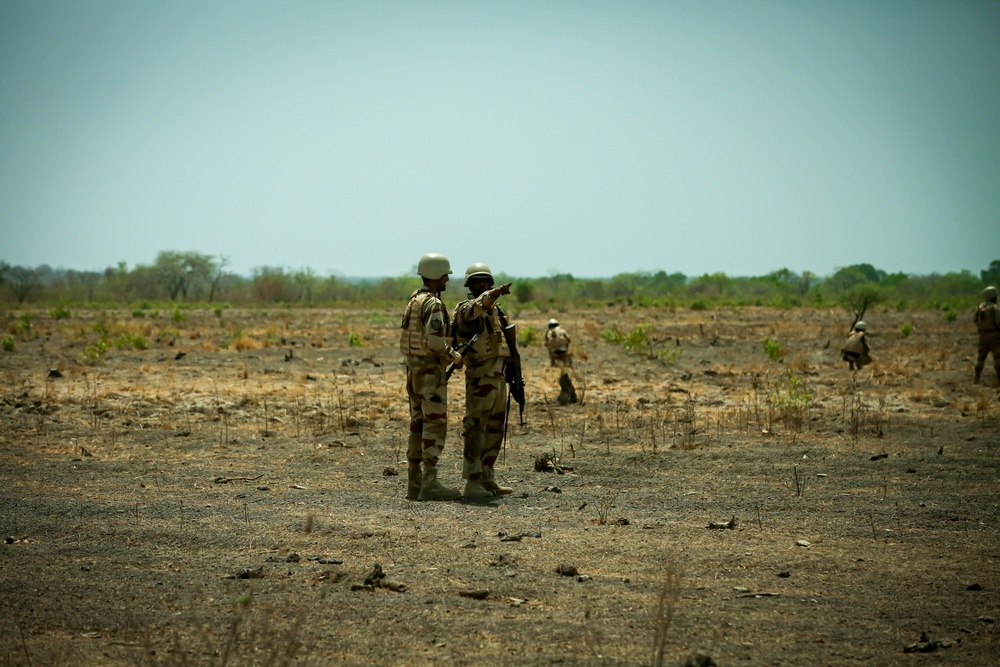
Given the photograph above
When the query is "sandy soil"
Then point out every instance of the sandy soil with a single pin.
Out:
(194, 503)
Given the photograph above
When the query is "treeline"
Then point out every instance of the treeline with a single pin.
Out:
(191, 277)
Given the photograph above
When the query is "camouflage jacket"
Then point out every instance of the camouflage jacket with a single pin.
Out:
(557, 338)
(986, 318)
(480, 315)
(856, 343)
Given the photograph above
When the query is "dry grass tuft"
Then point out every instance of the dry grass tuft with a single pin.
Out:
(245, 343)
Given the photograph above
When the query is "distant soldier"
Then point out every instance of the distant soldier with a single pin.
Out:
(988, 323)
(485, 382)
(557, 341)
(855, 350)
(425, 341)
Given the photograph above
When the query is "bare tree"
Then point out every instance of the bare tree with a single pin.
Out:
(23, 281)
(217, 277)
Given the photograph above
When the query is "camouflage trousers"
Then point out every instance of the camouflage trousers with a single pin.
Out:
(485, 412)
(988, 342)
(427, 392)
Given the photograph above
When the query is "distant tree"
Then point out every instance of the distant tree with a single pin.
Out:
(4, 267)
(306, 280)
(272, 284)
(23, 281)
(218, 275)
(991, 276)
(860, 298)
(179, 272)
(851, 276)
(709, 286)
(524, 290)
(85, 280)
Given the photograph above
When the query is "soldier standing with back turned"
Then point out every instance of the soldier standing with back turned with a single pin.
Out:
(557, 341)
(987, 321)
(425, 341)
(485, 383)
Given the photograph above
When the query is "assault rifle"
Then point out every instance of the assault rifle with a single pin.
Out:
(512, 370)
(463, 348)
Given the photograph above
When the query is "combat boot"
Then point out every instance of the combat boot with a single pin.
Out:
(474, 490)
(431, 489)
(489, 481)
(413, 480)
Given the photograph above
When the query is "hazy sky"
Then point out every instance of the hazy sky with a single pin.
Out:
(542, 136)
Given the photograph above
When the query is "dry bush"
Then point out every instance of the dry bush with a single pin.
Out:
(246, 343)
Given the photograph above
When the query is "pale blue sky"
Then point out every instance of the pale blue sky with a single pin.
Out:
(592, 138)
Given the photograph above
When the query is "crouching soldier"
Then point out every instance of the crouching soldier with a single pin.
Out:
(987, 321)
(855, 350)
(425, 342)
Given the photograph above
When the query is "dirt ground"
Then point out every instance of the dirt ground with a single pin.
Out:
(221, 496)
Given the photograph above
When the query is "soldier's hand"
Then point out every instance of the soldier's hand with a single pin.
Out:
(457, 359)
(503, 289)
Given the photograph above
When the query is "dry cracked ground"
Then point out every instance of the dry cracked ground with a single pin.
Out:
(226, 489)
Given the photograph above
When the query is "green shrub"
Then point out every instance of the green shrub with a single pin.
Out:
(94, 353)
(905, 329)
(612, 335)
(637, 338)
(138, 312)
(131, 340)
(354, 340)
(526, 336)
(700, 304)
(7, 342)
(773, 349)
(950, 316)
(60, 313)
(24, 325)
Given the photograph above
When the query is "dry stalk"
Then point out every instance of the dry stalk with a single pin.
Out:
(663, 614)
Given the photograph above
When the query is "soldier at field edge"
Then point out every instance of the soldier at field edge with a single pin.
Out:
(557, 342)
(425, 342)
(855, 350)
(987, 321)
(485, 382)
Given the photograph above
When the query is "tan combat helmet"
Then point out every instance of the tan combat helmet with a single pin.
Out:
(478, 270)
(860, 326)
(990, 293)
(433, 266)
(553, 323)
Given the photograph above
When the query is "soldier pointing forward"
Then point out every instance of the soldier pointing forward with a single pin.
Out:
(485, 382)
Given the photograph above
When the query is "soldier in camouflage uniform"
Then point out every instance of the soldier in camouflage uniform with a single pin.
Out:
(485, 384)
(987, 321)
(425, 341)
(557, 342)
(856, 349)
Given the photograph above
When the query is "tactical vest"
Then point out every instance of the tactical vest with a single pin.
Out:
(412, 339)
(491, 342)
(986, 317)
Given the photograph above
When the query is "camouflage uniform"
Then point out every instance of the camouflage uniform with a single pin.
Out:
(987, 321)
(485, 387)
(855, 351)
(424, 343)
(557, 342)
